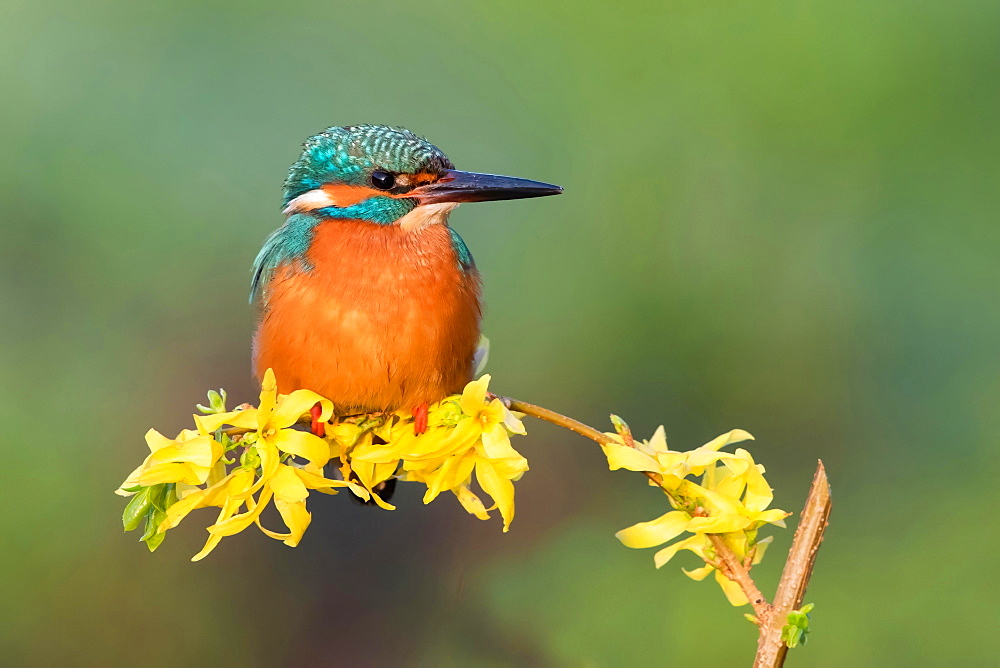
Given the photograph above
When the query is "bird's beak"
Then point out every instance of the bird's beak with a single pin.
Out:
(455, 186)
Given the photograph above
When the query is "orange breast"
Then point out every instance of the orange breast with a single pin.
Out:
(384, 319)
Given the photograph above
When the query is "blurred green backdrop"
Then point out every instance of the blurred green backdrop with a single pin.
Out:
(780, 216)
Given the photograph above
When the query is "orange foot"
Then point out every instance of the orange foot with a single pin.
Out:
(318, 427)
(420, 418)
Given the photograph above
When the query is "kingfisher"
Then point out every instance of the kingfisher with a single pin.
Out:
(366, 295)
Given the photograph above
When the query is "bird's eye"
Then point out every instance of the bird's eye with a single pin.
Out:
(383, 180)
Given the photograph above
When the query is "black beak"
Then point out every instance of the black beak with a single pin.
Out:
(455, 186)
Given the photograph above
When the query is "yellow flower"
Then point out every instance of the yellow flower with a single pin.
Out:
(480, 444)
(271, 422)
(364, 461)
(186, 459)
(702, 546)
(491, 421)
(269, 459)
(288, 486)
(468, 435)
(654, 456)
(229, 494)
(264, 466)
(291, 485)
(496, 477)
(731, 500)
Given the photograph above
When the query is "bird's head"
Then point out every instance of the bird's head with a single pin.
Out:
(389, 176)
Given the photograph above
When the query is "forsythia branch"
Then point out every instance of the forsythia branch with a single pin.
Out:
(736, 571)
(733, 568)
(771, 648)
(798, 570)
(245, 460)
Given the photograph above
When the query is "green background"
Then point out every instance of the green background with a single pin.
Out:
(780, 216)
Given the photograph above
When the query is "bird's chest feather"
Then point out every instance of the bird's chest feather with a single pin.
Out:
(373, 317)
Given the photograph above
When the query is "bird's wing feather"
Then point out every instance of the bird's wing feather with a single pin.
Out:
(288, 242)
(267, 259)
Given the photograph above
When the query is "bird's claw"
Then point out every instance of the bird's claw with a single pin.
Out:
(420, 415)
(318, 427)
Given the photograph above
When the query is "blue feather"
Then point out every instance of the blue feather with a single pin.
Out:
(465, 261)
(288, 242)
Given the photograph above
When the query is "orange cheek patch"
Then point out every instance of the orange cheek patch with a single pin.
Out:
(421, 178)
(343, 195)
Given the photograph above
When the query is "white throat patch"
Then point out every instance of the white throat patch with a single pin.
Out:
(426, 215)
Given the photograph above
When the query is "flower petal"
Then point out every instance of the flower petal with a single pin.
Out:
(455, 471)
(319, 483)
(131, 481)
(287, 486)
(229, 507)
(701, 458)
(295, 517)
(268, 399)
(512, 422)
(718, 523)
(215, 495)
(302, 444)
(696, 544)
(510, 468)
(716, 503)
(496, 442)
(501, 490)
(729, 485)
(658, 441)
(345, 434)
(699, 574)
(155, 440)
(734, 436)
(673, 463)
(624, 457)
(202, 451)
(237, 523)
(775, 516)
(655, 532)
(245, 419)
(212, 542)
(381, 503)
(474, 395)
(761, 549)
(297, 404)
(472, 503)
(759, 494)
(173, 472)
(731, 590)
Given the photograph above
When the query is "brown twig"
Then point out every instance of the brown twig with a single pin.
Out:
(739, 573)
(798, 569)
(560, 420)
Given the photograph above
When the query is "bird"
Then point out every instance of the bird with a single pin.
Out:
(366, 295)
